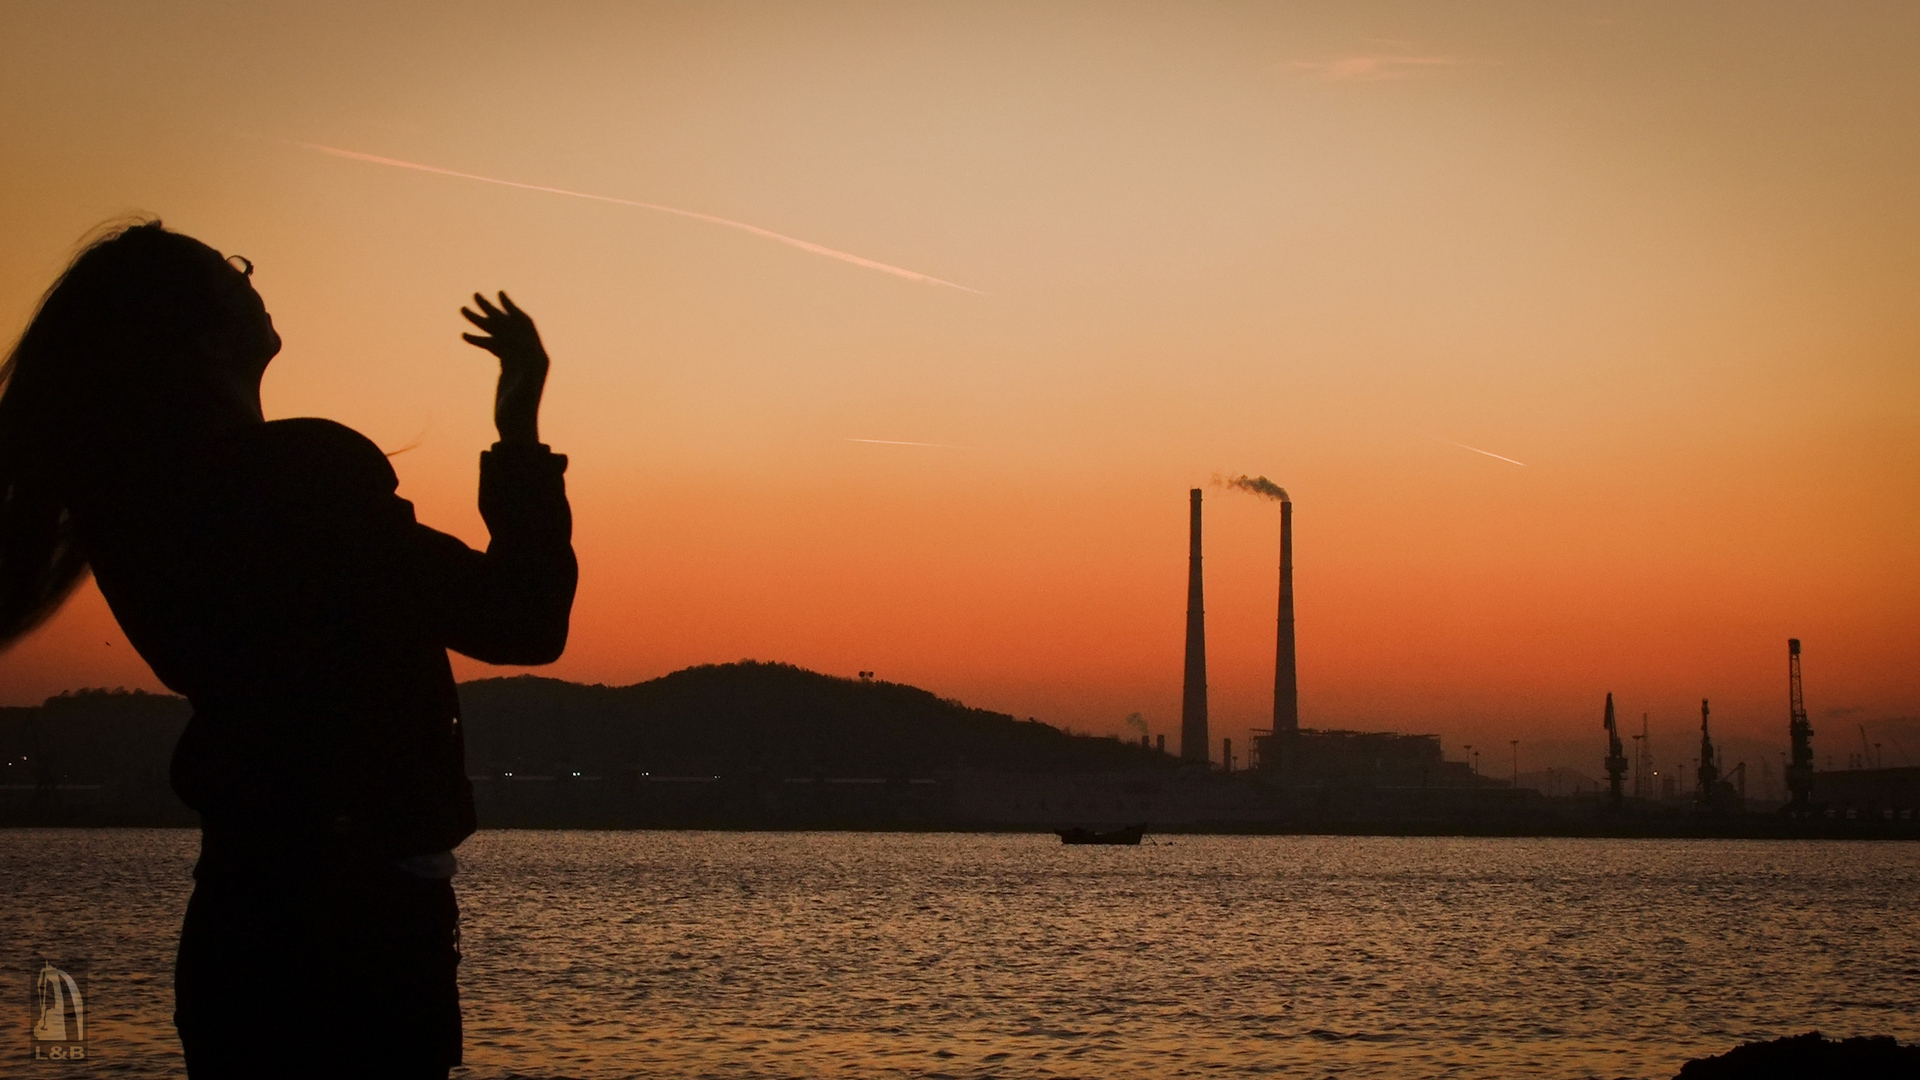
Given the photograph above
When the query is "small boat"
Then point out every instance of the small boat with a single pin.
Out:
(1129, 835)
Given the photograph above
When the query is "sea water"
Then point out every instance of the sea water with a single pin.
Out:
(617, 954)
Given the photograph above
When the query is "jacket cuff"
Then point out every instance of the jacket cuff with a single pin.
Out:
(517, 457)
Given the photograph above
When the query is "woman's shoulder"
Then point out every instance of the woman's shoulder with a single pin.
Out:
(324, 452)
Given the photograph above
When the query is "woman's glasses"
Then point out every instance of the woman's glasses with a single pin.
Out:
(241, 263)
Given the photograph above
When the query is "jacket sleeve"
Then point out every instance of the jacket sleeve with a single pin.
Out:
(374, 567)
(509, 604)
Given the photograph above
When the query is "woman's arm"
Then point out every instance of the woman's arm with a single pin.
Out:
(512, 605)
(510, 335)
(509, 604)
(349, 547)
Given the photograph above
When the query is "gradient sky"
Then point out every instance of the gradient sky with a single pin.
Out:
(1666, 255)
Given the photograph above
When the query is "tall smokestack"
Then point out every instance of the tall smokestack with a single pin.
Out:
(1286, 681)
(1193, 694)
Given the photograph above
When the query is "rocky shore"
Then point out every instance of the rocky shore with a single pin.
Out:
(1810, 1057)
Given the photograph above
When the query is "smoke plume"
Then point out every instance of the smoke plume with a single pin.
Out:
(1137, 722)
(1254, 485)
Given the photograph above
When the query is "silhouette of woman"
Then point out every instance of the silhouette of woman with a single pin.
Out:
(269, 572)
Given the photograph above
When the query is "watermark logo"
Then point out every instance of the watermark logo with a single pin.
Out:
(59, 1013)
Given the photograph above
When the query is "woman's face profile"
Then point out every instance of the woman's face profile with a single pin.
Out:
(250, 341)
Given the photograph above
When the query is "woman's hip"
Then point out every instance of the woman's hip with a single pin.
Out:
(353, 966)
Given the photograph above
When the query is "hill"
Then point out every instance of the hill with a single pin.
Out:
(92, 757)
(770, 719)
(97, 757)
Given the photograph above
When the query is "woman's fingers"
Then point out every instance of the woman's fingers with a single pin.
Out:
(508, 332)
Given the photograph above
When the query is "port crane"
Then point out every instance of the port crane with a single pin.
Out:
(1799, 771)
(1642, 762)
(1868, 758)
(1708, 773)
(1737, 776)
(1616, 757)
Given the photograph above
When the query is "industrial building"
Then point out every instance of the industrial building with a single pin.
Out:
(1287, 754)
(1888, 794)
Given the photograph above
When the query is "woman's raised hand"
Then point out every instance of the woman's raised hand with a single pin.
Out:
(508, 333)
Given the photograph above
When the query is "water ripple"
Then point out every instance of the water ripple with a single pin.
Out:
(593, 956)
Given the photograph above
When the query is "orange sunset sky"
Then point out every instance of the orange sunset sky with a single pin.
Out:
(1667, 255)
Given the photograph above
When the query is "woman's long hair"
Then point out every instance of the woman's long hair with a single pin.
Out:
(93, 379)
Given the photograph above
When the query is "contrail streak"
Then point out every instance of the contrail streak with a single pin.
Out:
(897, 442)
(791, 241)
(1489, 453)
